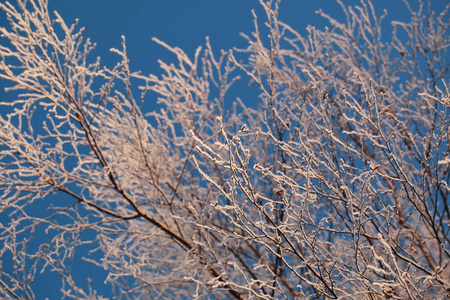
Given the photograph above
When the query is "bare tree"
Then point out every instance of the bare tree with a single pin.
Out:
(334, 186)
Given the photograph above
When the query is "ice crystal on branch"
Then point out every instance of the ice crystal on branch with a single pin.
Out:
(335, 185)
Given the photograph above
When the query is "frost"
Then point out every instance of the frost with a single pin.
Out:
(331, 183)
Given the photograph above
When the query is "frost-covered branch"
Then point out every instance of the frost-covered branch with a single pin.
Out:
(334, 185)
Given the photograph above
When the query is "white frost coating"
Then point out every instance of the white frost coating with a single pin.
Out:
(334, 186)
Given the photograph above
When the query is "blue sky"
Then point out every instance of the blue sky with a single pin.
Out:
(185, 23)
(177, 22)
(181, 23)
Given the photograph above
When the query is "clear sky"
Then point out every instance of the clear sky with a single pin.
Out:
(185, 23)
(182, 23)
(179, 23)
